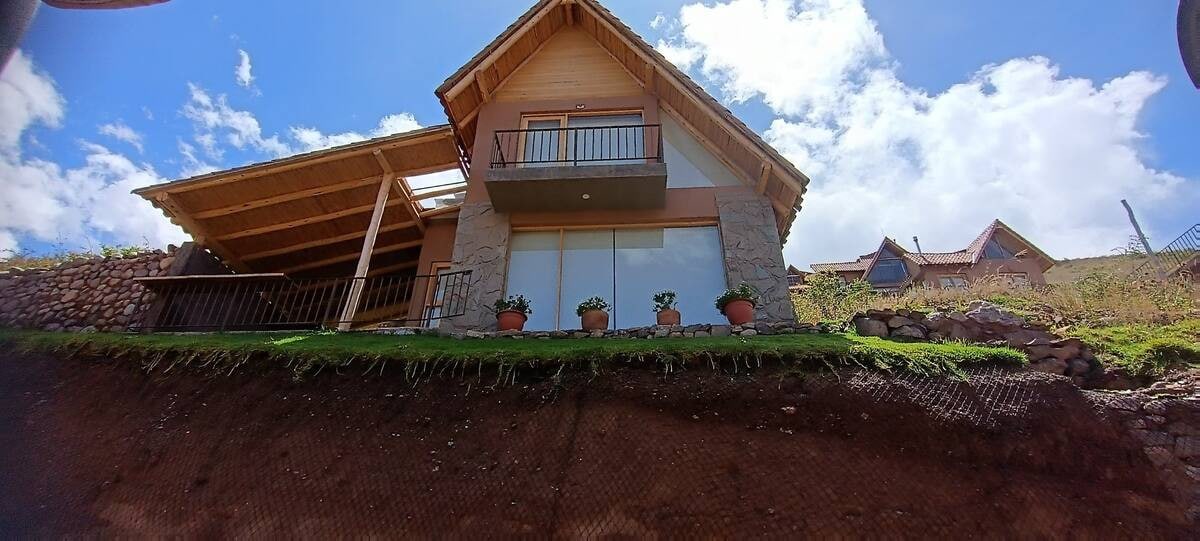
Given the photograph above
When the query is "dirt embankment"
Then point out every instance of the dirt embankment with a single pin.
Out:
(99, 448)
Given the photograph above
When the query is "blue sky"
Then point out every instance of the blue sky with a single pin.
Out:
(341, 67)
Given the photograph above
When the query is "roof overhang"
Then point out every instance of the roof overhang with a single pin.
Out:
(759, 165)
(308, 214)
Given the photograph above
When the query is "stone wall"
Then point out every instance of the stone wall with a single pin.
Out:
(753, 253)
(986, 323)
(95, 294)
(480, 246)
(1167, 426)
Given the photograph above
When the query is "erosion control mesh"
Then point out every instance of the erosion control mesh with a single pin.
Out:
(97, 448)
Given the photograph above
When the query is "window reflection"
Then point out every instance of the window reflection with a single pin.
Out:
(625, 267)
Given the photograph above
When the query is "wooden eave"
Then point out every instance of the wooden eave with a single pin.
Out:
(760, 166)
(309, 213)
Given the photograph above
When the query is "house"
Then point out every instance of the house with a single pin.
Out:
(997, 251)
(796, 278)
(592, 167)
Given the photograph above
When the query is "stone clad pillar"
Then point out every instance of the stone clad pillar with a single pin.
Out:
(753, 253)
(480, 246)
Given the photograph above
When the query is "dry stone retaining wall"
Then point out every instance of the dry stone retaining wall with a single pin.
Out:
(986, 323)
(96, 294)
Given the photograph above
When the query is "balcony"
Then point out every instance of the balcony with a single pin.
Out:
(578, 168)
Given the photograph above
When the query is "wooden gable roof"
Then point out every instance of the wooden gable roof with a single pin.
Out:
(758, 164)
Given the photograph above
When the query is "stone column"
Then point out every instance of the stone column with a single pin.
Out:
(753, 252)
(480, 246)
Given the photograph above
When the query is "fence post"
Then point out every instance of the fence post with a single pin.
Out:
(1162, 275)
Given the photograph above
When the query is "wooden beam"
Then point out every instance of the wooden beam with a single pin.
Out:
(351, 257)
(393, 268)
(402, 190)
(322, 242)
(569, 12)
(302, 194)
(438, 193)
(762, 178)
(485, 94)
(199, 234)
(304, 221)
(364, 255)
(295, 162)
(500, 49)
(441, 210)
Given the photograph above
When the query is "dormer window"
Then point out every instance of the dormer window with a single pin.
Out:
(993, 250)
(890, 269)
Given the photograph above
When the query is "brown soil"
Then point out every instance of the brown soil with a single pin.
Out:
(98, 448)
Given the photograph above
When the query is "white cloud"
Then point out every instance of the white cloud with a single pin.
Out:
(312, 139)
(120, 131)
(242, 72)
(78, 207)
(27, 96)
(192, 165)
(1050, 155)
(793, 56)
(214, 117)
(657, 21)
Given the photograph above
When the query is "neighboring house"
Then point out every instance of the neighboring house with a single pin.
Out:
(594, 167)
(998, 251)
(796, 278)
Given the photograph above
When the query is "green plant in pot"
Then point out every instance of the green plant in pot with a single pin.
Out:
(512, 313)
(738, 304)
(664, 307)
(593, 314)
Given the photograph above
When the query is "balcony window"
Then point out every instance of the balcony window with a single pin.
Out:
(574, 139)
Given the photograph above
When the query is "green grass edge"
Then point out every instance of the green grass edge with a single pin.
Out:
(305, 352)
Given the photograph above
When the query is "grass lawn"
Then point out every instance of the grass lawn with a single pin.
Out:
(1145, 349)
(306, 351)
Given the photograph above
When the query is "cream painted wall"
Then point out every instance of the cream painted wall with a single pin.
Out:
(689, 164)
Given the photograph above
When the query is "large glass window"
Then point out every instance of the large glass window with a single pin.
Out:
(993, 250)
(624, 266)
(889, 269)
(533, 272)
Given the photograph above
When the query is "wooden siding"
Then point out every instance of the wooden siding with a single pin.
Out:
(570, 65)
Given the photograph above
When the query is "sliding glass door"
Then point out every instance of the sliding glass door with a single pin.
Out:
(556, 270)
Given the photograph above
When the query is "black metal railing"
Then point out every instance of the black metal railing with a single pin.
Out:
(592, 145)
(1175, 255)
(278, 302)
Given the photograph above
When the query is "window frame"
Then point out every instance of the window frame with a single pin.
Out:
(955, 276)
(431, 292)
(1008, 278)
(562, 231)
(564, 119)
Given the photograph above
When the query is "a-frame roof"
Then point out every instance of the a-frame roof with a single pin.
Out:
(975, 249)
(748, 156)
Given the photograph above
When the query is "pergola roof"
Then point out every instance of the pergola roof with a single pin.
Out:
(746, 154)
(308, 214)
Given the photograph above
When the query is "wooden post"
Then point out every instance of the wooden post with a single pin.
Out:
(364, 257)
(1162, 275)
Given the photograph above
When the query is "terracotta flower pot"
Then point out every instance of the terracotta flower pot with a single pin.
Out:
(739, 312)
(511, 320)
(594, 320)
(668, 317)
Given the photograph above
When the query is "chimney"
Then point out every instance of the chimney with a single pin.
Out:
(918, 243)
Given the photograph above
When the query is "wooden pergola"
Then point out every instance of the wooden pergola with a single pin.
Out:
(332, 212)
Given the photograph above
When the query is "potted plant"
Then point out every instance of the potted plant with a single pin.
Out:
(664, 307)
(738, 304)
(512, 313)
(593, 314)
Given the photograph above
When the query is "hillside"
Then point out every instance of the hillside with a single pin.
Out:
(1069, 270)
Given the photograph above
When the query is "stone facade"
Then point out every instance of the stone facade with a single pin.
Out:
(96, 294)
(480, 246)
(753, 253)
